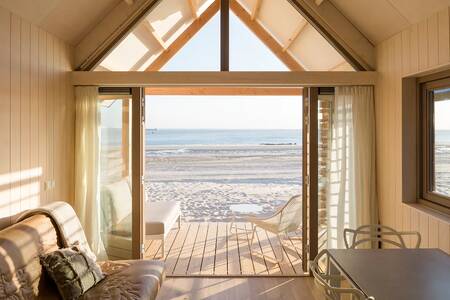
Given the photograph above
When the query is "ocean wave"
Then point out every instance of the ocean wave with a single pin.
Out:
(170, 151)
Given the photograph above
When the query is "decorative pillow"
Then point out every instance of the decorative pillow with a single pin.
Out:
(73, 271)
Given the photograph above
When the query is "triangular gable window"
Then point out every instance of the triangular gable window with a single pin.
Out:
(184, 35)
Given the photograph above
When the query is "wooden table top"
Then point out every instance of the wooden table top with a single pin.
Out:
(413, 274)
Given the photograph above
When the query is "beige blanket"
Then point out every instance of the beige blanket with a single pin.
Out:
(65, 220)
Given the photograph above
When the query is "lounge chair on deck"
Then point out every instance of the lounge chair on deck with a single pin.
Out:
(159, 218)
(284, 220)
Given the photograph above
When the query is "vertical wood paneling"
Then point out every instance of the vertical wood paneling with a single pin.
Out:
(406, 51)
(444, 236)
(43, 113)
(34, 117)
(5, 116)
(444, 41)
(423, 46)
(414, 67)
(15, 114)
(407, 223)
(50, 113)
(433, 233)
(36, 109)
(433, 44)
(25, 116)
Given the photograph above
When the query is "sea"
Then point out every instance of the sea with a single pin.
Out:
(175, 137)
(164, 137)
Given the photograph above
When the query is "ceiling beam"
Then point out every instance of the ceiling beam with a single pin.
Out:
(339, 32)
(255, 10)
(225, 91)
(184, 37)
(264, 36)
(153, 33)
(300, 28)
(193, 7)
(100, 41)
(224, 35)
(224, 79)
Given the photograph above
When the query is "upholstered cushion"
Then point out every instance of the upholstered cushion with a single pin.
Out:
(73, 271)
(133, 279)
(160, 216)
(20, 247)
(119, 195)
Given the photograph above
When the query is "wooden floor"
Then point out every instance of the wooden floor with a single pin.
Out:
(212, 249)
(240, 288)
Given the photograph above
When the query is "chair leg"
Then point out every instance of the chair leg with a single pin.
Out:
(163, 254)
(179, 222)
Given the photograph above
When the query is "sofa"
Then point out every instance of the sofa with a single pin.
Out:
(22, 276)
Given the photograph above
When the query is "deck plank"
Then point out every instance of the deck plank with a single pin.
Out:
(186, 252)
(247, 267)
(175, 250)
(198, 252)
(271, 262)
(258, 260)
(234, 263)
(209, 254)
(285, 264)
(221, 264)
(294, 257)
(211, 249)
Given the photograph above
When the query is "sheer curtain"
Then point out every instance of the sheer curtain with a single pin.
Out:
(352, 199)
(87, 162)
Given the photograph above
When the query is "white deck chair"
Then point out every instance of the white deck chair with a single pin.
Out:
(369, 234)
(330, 283)
(285, 220)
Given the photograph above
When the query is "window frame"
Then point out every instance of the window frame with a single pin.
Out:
(429, 197)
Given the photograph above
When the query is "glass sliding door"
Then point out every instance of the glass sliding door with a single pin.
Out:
(118, 184)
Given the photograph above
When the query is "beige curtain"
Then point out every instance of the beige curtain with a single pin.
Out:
(352, 199)
(87, 162)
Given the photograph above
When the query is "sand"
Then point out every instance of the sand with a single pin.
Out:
(206, 180)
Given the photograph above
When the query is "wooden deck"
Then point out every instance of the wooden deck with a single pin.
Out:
(211, 249)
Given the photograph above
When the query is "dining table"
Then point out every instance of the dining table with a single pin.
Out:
(397, 274)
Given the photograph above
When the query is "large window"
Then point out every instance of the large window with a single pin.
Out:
(435, 104)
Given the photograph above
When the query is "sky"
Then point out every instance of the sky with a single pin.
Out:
(202, 53)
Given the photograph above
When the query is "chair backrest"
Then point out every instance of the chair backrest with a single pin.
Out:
(291, 214)
(115, 203)
(369, 234)
(330, 283)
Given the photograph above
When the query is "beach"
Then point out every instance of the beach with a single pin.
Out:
(207, 179)
(207, 171)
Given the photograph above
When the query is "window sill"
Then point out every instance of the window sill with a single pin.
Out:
(430, 211)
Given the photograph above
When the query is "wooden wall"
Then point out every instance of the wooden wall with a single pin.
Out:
(36, 117)
(422, 47)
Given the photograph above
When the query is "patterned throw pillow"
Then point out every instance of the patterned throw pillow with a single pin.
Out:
(73, 271)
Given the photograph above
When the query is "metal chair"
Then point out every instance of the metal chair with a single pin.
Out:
(378, 233)
(330, 283)
(285, 220)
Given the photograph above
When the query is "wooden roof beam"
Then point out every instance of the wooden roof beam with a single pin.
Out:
(339, 32)
(193, 7)
(109, 31)
(264, 36)
(255, 9)
(300, 28)
(225, 91)
(153, 33)
(183, 38)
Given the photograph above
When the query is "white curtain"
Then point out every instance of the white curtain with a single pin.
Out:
(352, 199)
(87, 166)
